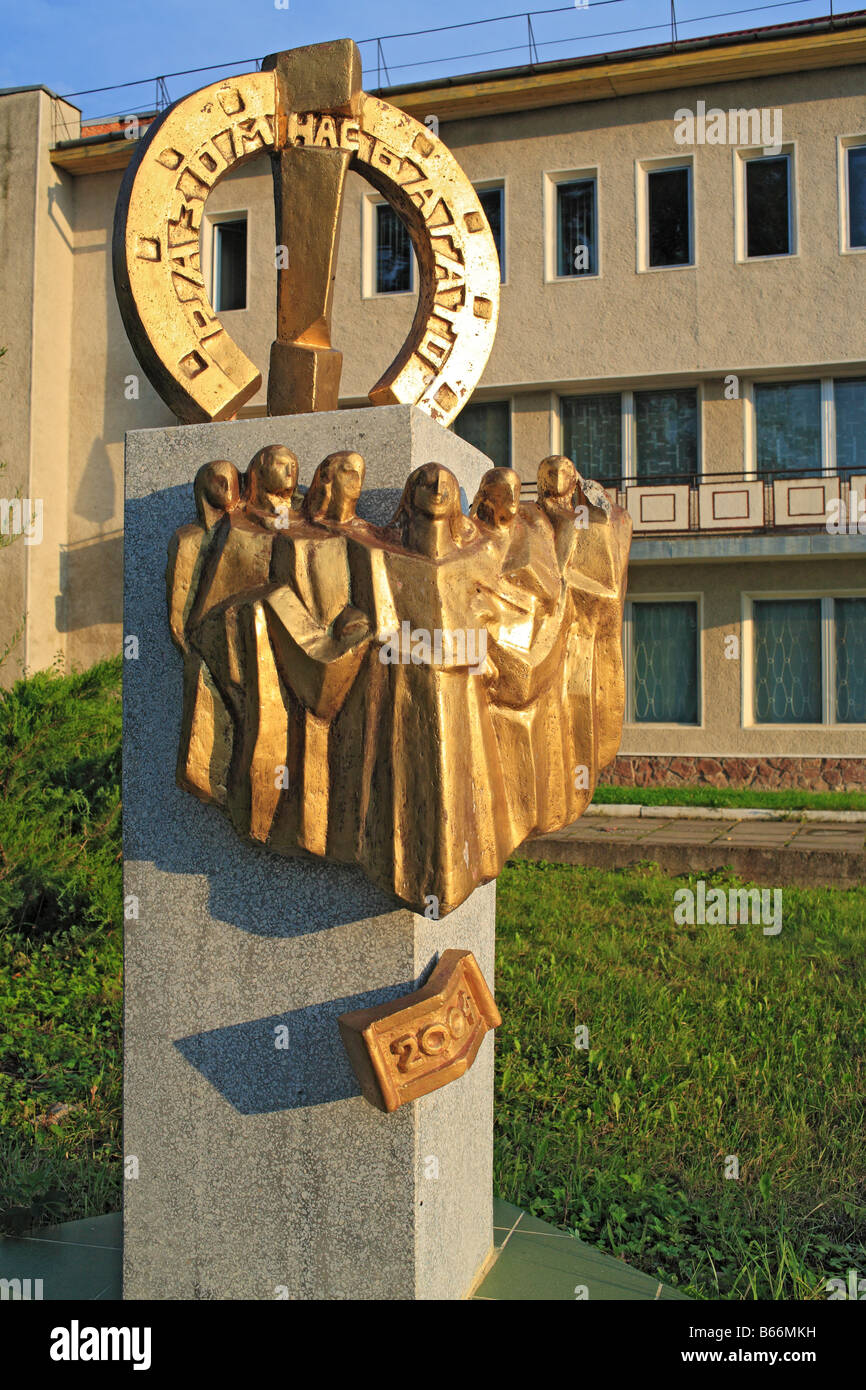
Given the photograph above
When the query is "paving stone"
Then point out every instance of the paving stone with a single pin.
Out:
(536, 1262)
(81, 1261)
(769, 853)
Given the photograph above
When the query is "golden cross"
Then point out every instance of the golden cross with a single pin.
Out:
(308, 197)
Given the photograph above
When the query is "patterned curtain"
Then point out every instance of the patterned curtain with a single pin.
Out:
(788, 417)
(788, 661)
(666, 426)
(850, 660)
(850, 397)
(665, 659)
(592, 435)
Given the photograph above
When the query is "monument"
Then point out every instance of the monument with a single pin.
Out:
(380, 690)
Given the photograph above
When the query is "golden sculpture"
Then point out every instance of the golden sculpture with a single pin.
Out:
(306, 108)
(418, 698)
(407, 1049)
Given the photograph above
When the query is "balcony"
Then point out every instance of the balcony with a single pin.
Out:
(746, 504)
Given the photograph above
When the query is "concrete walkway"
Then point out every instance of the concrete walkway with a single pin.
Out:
(830, 853)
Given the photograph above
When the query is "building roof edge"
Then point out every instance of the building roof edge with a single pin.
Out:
(804, 45)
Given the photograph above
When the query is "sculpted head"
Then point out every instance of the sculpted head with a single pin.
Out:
(337, 483)
(271, 479)
(216, 491)
(434, 491)
(498, 497)
(557, 479)
(431, 496)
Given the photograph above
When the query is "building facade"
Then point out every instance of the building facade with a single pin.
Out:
(682, 238)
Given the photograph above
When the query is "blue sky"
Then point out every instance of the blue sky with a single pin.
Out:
(92, 43)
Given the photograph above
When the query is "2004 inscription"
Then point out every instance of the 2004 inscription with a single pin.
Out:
(403, 1050)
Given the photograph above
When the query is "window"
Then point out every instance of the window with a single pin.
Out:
(849, 397)
(492, 200)
(854, 196)
(669, 234)
(788, 661)
(807, 426)
(809, 657)
(487, 425)
(666, 434)
(592, 435)
(576, 228)
(393, 252)
(662, 654)
(850, 663)
(230, 264)
(632, 436)
(768, 206)
(788, 426)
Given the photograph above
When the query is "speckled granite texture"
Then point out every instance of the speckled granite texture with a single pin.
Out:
(262, 1173)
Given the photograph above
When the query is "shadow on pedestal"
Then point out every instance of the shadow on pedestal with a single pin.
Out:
(257, 1077)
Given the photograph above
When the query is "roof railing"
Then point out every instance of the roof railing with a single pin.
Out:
(540, 52)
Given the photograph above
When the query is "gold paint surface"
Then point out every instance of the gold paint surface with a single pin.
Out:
(307, 110)
(406, 1049)
(417, 699)
(190, 359)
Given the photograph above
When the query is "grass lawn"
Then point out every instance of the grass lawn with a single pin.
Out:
(791, 800)
(60, 947)
(703, 1041)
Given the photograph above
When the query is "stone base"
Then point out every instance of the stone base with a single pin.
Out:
(256, 1171)
(763, 774)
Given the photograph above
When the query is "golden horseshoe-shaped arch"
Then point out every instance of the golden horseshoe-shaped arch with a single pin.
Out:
(187, 353)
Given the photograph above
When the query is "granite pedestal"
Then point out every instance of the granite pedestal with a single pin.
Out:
(255, 1170)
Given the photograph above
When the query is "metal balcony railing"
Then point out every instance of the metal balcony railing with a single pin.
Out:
(789, 499)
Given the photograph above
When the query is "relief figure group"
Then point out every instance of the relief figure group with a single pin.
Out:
(416, 698)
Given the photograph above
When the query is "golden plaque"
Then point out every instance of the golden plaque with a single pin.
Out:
(406, 1049)
(307, 110)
